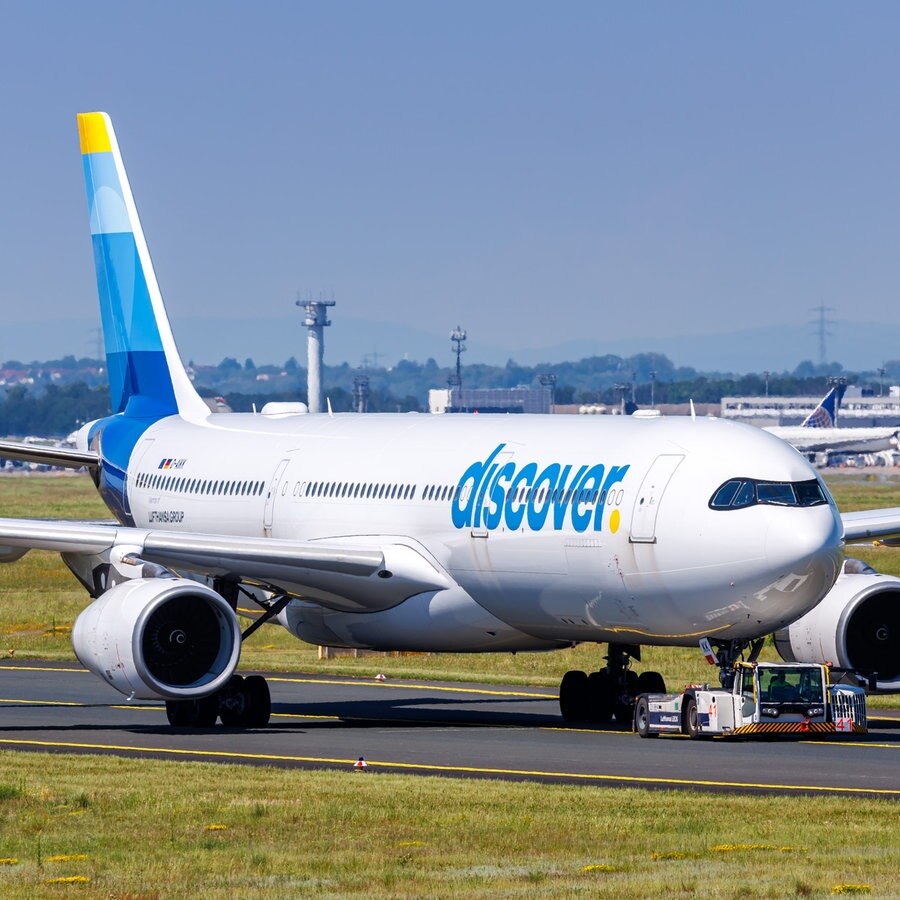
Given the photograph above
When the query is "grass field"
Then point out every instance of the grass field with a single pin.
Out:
(121, 828)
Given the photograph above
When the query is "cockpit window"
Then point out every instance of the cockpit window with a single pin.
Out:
(746, 495)
(724, 496)
(810, 493)
(741, 492)
(780, 493)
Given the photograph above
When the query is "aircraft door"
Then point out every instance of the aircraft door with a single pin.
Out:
(646, 506)
(274, 488)
(138, 458)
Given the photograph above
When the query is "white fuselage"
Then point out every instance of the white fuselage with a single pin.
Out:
(561, 529)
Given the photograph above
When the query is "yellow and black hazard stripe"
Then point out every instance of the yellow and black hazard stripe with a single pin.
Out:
(791, 728)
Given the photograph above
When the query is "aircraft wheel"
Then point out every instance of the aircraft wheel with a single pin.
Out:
(650, 683)
(199, 713)
(602, 694)
(623, 705)
(573, 696)
(259, 701)
(642, 718)
(690, 722)
(233, 702)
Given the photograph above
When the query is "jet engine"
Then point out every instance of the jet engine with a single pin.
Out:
(856, 626)
(159, 638)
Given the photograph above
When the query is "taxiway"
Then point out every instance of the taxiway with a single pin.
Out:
(435, 729)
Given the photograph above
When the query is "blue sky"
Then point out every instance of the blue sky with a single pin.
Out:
(532, 171)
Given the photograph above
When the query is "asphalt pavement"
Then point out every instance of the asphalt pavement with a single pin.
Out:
(432, 728)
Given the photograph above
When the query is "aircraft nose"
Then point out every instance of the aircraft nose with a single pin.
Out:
(795, 534)
(804, 546)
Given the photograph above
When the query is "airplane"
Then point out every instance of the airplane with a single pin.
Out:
(428, 533)
(818, 433)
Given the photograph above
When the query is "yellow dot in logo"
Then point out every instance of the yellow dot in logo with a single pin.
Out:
(614, 521)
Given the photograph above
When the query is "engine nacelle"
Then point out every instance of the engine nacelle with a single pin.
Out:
(159, 638)
(856, 626)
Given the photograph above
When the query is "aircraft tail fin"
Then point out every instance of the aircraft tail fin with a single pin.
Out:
(825, 414)
(146, 375)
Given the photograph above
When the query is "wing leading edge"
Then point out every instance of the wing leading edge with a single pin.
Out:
(341, 574)
(870, 524)
(48, 456)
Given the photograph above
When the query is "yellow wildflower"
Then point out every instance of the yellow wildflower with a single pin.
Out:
(731, 848)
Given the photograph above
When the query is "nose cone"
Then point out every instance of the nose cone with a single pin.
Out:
(803, 556)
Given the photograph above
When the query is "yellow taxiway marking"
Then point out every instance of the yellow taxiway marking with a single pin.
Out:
(568, 729)
(349, 683)
(851, 744)
(447, 769)
(421, 687)
(399, 685)
(157, 708)
(161, 708)
(41, 669)
(42, 702)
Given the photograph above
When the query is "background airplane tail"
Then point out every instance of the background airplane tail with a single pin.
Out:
(825, 414)
(146, 376)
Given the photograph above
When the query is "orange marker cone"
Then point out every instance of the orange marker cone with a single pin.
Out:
(360, 764)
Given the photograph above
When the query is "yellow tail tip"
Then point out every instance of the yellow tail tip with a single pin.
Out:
(93, 132)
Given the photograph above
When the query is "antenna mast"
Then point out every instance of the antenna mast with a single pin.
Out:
(458, 336)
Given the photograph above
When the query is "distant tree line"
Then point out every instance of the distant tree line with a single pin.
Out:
(59, 406)
(55, 410)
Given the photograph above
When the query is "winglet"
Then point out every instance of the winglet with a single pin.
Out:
(146, 375)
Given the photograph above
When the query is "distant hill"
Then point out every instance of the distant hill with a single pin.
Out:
(858, 347)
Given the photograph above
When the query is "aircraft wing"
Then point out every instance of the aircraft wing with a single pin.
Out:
(347, 574)
(48, 456)
(872, 523)
(861, 440)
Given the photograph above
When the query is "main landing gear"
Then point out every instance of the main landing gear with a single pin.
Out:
(610, 693)
(243, 703)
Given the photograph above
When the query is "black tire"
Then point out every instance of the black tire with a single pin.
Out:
(650, 683)
(689, 723)
(233, 703)
(259, 701)
(602, 696)
(573, 696)
(199, 713)
(642, 718)
(624, 699)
